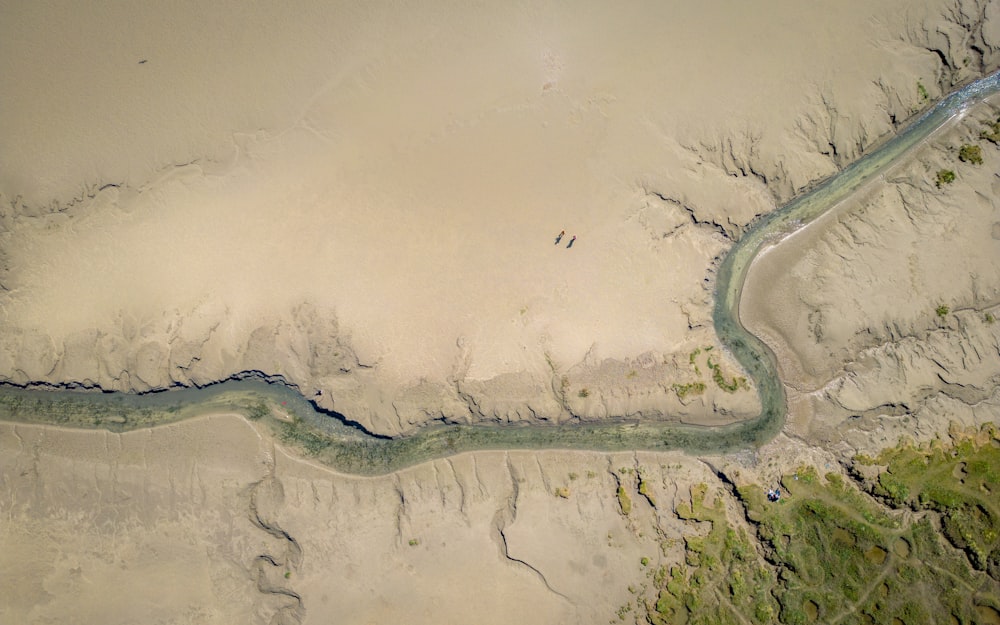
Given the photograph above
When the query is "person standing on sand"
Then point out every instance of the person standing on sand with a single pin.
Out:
(560, 236)
(570, 244)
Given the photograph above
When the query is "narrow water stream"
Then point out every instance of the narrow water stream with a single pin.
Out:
(336, 441)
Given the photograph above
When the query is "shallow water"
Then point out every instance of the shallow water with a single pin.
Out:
(337, 441)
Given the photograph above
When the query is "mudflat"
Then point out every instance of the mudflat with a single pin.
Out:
(366, 201)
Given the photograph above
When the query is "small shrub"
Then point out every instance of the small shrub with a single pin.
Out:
(738, 382)
(583, 394)
(989, 318)
(624, 501)
(644, 491)
(692, 388)
(258, 411)
(944, 176)
(644, 561)
(414, 542)
(563, 492)
(942, 310)
(971, 154)
(922, 92)
(992, 134)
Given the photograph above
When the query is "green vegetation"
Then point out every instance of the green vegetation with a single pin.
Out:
(942, 311)
(258, 411)
(969, 153)
(992, 132)
(304, 436)
(352, 451)
(944, 176)
(644, 561)
(644, 491)
(738, 382)
(583, 394)
(922, 92)
(723, 576)
(698, 387)
(691, 359)
(624, 501)
(414, 542)
(989, 318)
(691, 388)
(562, 491)
(831, 552)
(959, 483)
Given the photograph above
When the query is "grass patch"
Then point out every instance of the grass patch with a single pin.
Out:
(737, 383)
(624, 501)
(944, 176)
(992, 132)
(644, 491)
(829, 551)
(970, 153)
(691, 388)
(299, 434)
(960, 484)
(258, 411)
(723, 579)
(922, 92)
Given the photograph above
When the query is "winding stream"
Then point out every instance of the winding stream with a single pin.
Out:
(346, 447)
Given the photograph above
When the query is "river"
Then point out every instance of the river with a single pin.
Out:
(345, 446)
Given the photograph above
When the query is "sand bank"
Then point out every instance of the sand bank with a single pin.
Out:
(883, 313)
(365, 201)
(206, 521)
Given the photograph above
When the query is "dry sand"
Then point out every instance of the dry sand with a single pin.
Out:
(199, 522)
(883, 313)
(364, 200)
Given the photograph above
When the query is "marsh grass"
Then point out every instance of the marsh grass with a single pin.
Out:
(829, 551)
(970, 153)
(943, 177)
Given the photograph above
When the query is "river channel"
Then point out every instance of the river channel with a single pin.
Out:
(342, 444)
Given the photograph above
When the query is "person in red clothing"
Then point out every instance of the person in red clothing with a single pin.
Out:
(560, 236)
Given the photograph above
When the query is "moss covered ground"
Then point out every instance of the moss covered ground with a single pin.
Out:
(910, 538)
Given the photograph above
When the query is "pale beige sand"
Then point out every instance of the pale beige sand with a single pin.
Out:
(171, 525)
(850, 303)
(364, 200)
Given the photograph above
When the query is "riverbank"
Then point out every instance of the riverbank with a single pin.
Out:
(404, 265)
(213, 520)
(883, 312)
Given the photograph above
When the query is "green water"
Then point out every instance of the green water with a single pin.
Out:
(350, 449)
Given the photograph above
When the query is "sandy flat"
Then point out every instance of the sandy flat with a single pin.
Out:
(365, 200)
(199, 522)
(883, 312)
